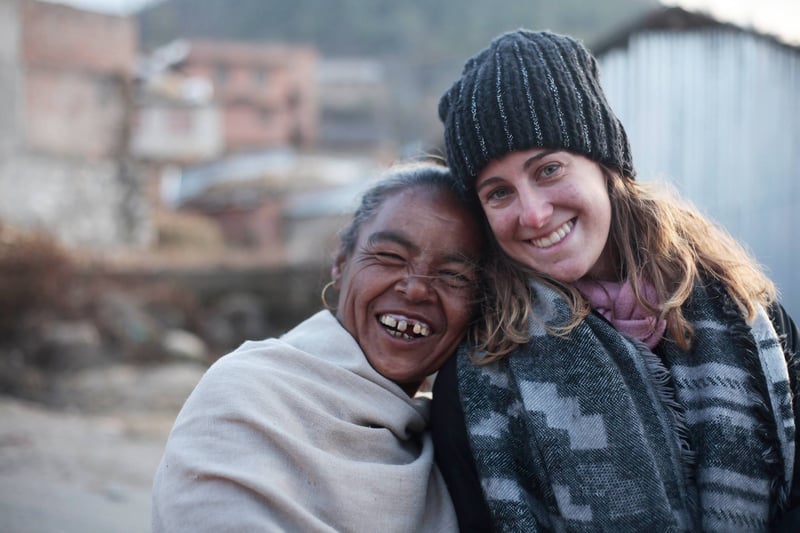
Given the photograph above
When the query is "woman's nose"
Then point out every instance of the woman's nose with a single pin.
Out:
(535, 209)
(416, 287)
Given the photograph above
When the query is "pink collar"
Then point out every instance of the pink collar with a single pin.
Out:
(616, 302)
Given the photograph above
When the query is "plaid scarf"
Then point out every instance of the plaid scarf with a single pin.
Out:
(592, 431)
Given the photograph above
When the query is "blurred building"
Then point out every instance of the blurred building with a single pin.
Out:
(355, 104)
(283, 203)
(213, 119)
(66, 86)
(267, 92)
(311, 221)
(245, 133)
(177, 120)
(715, 109)
(177, 123)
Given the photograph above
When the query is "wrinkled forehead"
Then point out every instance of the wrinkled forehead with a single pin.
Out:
(426, 218)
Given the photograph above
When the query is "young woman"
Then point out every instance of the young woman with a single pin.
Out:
(319, 430)
(635, 370)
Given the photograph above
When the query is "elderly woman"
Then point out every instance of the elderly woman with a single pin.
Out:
(320, 429)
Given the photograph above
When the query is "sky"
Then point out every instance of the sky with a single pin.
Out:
(776, 17)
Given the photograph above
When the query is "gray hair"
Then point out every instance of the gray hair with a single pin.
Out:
(397, 179)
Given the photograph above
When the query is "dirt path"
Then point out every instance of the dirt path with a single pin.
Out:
(89, 468)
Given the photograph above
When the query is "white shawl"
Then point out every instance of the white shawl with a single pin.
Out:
(300, 434)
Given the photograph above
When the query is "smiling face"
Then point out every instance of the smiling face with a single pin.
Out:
(550, 211)
(407, 326)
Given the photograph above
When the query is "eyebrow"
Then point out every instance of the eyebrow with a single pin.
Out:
(531, 160)
(403, 240)
(391, 236)
(525, 166)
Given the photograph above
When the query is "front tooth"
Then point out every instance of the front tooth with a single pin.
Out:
(402, 325)
(417, 329)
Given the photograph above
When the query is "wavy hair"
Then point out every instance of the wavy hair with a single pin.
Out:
(657, 237)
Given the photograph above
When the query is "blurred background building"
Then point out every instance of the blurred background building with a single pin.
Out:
(190, 138)
(68, 108)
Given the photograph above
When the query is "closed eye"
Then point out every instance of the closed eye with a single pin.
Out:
(390, 258)
(456, 279)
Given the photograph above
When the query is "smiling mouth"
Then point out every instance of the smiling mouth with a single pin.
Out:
(556, 237)
(404, 328)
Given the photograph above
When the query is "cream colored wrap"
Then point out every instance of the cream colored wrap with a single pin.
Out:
(300, 434)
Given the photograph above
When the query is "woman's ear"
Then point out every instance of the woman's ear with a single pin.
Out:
(338, 267)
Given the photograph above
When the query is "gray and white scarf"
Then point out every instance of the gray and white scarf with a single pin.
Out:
(593, 431)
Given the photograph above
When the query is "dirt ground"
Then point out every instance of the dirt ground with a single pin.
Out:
(87, 466)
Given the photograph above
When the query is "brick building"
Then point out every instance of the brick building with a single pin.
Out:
(65, 78)
(77, 72)
(267, 92)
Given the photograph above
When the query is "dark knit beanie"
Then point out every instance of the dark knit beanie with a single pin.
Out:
(529, 90)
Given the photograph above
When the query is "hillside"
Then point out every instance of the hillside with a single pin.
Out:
(433, 29)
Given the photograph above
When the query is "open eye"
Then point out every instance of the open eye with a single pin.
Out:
(497, 194)
(550, 170)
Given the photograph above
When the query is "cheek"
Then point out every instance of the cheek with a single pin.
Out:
(350, 291)
(502, 224)
(604, 217)
(459, 314)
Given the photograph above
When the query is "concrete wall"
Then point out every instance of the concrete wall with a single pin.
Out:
(172, 132)
(285, 296)
(90, 204)
(10, 93)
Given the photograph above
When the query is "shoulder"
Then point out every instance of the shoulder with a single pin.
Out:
(266, 360)
(785, 327)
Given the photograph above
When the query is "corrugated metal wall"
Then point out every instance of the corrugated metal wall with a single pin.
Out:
(717, 113)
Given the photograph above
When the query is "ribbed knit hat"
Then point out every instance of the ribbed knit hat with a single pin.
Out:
(527, 90)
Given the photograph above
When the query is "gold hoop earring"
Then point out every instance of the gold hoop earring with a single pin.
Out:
(325, 303)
